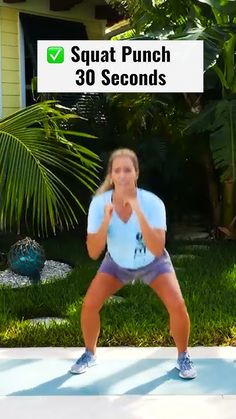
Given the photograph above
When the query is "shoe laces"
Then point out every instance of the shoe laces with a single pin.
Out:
(84, 358)
(185, 362)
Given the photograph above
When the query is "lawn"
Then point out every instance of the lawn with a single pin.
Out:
(207, 275)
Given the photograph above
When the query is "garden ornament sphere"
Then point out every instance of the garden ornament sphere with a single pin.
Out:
(26, 257)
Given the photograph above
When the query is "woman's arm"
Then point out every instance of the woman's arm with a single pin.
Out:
(154, 238)
(96, 242)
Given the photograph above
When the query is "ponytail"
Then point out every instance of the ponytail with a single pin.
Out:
(105, 186)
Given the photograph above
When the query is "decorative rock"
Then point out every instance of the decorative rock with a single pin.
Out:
(192, 236)
(47, 321)
(26, 257)
(52, 270)
(194, 247)
(185, 256)
(115, 299)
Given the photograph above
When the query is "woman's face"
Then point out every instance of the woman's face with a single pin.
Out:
(123, 173)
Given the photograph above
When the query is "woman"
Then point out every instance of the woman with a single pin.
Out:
(131, 222)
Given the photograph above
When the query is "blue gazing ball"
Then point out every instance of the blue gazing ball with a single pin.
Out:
(26, 257)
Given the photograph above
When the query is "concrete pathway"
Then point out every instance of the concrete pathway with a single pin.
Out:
(127, 383)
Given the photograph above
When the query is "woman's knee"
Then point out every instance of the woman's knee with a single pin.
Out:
(91, 303)
(177, 306)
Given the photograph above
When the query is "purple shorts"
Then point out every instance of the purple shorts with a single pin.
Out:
(146, 273)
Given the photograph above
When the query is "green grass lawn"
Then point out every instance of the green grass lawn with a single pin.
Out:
(207, 278)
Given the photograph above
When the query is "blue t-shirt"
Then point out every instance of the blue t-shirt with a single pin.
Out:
(124, 239)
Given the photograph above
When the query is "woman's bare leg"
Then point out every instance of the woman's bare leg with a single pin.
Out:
(167, 288)
(102, 287)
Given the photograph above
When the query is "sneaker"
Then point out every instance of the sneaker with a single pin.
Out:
(87, 360)
(185, 366)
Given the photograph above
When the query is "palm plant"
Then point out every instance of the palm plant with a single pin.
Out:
(37, 153)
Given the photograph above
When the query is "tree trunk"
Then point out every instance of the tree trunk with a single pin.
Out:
(229, 206)
(213, 188)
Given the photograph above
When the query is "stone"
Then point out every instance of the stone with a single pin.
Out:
(46, 320)
(52, 270)
(115, 299)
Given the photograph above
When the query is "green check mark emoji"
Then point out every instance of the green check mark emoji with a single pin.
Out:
(55, 55)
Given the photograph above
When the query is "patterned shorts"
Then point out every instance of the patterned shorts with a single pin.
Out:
(146, 273)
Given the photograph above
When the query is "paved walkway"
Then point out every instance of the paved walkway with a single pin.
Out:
(127, 383)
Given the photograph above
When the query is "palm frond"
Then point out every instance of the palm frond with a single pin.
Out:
(223, 138)
(35, 156)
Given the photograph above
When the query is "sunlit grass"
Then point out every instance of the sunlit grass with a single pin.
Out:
(207, 280)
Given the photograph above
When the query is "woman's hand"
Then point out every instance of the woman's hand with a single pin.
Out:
(108, 210)
(133, 202)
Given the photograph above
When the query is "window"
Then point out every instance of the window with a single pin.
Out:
(45, 28)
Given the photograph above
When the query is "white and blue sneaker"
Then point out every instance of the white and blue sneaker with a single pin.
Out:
(87, 360)
(185, 366)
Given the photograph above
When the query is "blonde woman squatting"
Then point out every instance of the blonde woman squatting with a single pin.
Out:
(130, 223)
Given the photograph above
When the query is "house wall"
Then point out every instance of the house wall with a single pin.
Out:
(10, 74)
(11, 96)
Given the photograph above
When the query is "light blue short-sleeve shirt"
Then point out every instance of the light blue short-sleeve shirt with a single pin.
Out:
(124, 239)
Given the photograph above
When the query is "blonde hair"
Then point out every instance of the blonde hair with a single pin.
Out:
(120, 152)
